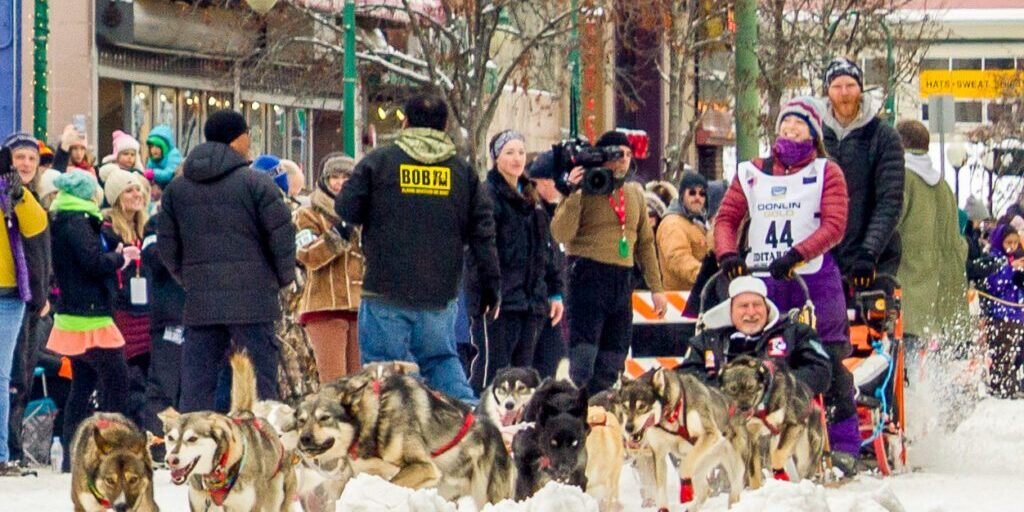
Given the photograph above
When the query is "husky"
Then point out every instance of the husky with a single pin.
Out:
(232, 463)
(111, 468)
(504, 401)
(779, 407)
(434, 440)
(553, 447)
(678, 415)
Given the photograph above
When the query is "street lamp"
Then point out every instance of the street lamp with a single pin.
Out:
(261, 6)
(956, 154)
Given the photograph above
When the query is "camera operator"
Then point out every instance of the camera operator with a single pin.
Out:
(603, 233)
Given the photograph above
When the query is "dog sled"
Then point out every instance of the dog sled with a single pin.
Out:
(878, 365)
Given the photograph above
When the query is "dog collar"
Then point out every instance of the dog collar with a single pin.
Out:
(679, 414)
(104, 502)
(466, 424)
(218, 483)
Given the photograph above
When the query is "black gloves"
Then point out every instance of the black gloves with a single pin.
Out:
(732, 266)
(343, 230)
(782, 268)
(490, 301)
(13, 188)
(862, 272)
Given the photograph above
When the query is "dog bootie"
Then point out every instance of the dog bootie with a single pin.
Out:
(685, 490)
(780, 474)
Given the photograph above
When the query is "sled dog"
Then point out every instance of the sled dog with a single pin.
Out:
(111, 468)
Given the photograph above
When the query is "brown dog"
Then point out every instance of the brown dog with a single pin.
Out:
(111, 468)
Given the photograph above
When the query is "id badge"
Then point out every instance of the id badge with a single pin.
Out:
(137, 293)
(175, 334)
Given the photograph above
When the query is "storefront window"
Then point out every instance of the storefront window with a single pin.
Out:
(254, 118)
(299, 139)
(968, 111)
(166, 112)
(141, 118)
(216, 101)
(191, 104)
(277, 137)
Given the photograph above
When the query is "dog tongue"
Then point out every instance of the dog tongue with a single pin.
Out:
(178, 475)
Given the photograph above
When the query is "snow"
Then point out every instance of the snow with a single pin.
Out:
(966, 454)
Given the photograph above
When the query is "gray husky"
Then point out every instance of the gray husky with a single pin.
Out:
(232, 463)
(778, 407)
(434, 440)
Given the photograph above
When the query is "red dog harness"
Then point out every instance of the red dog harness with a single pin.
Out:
(679, 414)
(218, 483)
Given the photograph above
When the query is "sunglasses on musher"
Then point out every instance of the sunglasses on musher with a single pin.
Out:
(696, 192)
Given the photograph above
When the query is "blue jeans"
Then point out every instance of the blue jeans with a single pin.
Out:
(12, 311)
(426, 337)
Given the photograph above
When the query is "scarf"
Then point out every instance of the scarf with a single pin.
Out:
(323, 204)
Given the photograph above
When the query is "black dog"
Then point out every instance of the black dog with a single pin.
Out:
(554, 448)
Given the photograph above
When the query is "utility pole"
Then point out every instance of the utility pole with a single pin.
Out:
(748, 108)
(10, 65)
(574, 63)
(40, 98)
(348, 129)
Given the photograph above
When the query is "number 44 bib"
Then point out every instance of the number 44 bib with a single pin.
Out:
(784, 211)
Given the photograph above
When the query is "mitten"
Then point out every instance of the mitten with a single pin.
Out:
(782, 268)
(732, 266)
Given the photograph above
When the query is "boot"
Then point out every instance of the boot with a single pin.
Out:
(685, 490)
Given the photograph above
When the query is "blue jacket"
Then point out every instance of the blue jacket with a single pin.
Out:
(163, 169)
(1005, 283)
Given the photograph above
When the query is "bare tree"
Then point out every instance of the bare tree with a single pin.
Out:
(799, 37)
(470, 51)
(690, 31)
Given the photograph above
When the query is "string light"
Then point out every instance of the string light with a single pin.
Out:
(255, 105)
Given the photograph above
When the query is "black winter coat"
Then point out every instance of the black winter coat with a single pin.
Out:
(872, 161)
(166, 296)
(228, 238)
(801, 352)
(530, 268)
(81, 265)
(413, 237)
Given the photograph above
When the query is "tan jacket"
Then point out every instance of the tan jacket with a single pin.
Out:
(334, 267)
(682, 245)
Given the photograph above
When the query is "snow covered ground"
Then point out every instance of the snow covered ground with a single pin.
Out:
(978, 467)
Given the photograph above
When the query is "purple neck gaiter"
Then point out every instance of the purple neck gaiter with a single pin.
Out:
(791, 152)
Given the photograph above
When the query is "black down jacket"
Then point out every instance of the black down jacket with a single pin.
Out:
(530, 268)
(81, 265)
(227, 237)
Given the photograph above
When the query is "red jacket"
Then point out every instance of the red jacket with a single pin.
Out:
(834, 204)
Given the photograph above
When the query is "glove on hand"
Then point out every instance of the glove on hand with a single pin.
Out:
(863, 272)
(12, 180)
(782, 268)
(732, 266)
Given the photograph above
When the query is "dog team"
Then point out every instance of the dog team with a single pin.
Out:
(525, 432)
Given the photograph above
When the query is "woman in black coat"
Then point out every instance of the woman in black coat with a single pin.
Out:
(531, 284)
(83, 327)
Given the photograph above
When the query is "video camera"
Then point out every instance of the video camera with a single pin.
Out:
(597, 179)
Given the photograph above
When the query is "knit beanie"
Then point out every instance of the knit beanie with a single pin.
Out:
(118, 181)
(45, 154)
(613, 138)
(692, 179)
(21, 140)
(808, 109)
(124, 142)
(224, 126)
(105, 170)
(843, 67)
(46, 184)
(78, 183)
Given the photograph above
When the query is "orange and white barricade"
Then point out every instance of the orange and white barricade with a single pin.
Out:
(643, 314)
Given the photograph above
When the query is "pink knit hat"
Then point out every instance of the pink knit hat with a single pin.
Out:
(124, 142)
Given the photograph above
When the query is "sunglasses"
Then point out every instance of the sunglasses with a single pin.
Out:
(696, 192)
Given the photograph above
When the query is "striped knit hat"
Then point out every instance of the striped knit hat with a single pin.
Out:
(808, 109)
(19, 140)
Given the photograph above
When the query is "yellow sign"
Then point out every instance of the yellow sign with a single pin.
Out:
(972, 84)
(425, 180)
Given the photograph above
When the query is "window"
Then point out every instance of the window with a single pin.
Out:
(968, 111)
(277, 130)
(253, 112)
(999, 63)
(142, 110)
(935, 64)
(924, 111)
(966, 63)
(299, 152)
(998, 112)
(191, 104)
(875, 72)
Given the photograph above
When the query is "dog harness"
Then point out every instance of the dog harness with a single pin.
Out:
(679, 414)
(466, 424)
(218, 483)
(762, 409)
(104, 502)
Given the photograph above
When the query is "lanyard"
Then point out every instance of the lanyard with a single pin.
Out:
(138, 269)
(620, 212)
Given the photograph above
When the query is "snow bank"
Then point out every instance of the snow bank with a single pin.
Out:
(777, 496)
(366, 493)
